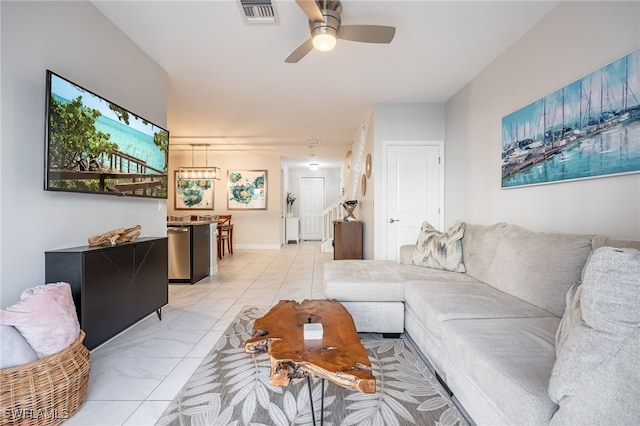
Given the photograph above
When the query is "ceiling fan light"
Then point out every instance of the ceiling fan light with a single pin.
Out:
(324, 41)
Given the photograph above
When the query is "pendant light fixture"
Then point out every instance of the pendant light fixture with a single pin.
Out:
(205, 172)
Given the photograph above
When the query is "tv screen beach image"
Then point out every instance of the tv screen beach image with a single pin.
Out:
(94, 145)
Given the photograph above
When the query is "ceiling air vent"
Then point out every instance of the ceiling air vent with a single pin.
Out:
(258, 12)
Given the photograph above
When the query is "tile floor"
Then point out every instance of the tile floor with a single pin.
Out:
(135, 375)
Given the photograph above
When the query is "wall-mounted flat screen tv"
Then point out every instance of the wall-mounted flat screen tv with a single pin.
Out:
(96, 146)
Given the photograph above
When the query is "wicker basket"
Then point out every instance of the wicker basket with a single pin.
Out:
(47, 391)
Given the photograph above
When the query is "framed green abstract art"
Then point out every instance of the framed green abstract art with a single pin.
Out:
(247, 190)
(193, 193)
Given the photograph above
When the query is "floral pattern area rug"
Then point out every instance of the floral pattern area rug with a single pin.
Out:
(231, 387)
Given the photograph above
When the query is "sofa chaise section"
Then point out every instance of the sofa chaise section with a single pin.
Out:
(373, 291)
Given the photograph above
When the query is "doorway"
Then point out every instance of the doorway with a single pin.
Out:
(312, 204)
(413, 188)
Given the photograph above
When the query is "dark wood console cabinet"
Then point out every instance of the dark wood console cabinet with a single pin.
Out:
(113, 286)
(347, 240)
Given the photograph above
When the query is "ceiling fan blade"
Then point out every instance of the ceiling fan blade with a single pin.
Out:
(311, 9)
(300, 52)
(367, 33)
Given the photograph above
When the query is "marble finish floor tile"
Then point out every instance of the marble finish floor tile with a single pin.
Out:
(203, 347)
(129, 379)
(106, 413)
(175, 380)
(147, 413)
(166, 340)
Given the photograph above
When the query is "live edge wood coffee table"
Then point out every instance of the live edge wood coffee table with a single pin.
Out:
(338, 357)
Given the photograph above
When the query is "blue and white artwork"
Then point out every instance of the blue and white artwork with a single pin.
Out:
(247, 190)
(589, 128)
(193, 193)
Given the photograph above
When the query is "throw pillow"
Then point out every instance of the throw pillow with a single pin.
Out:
(46, 317)
(595, 379)
(14, 350)
(610, 302)
(440, 250)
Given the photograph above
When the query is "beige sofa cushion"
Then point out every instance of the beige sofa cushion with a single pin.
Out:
(596, 379)
(479, 246)
(538, 267)
(363, 281)
(406, 253)
(509, 360)
(413, 273)
(378, 280)
(604, 241)
(435, 302)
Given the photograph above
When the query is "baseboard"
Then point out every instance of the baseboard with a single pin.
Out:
(257, 246)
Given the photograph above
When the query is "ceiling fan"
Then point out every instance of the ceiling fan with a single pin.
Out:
(326, 28)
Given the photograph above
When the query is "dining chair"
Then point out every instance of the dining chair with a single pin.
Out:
(224, 234)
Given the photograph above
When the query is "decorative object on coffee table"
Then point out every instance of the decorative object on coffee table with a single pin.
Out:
(339, 357)
(115, 236)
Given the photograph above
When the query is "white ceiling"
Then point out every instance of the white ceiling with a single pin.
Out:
(230, 87)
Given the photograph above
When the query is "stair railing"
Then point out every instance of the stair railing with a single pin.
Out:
(332, 213)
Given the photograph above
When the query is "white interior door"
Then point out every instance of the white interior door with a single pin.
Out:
(312, 203)
(414, 192)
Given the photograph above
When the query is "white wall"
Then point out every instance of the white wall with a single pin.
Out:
(393, 122)
(78, 42)
(331, 180)
(575, 39)
(252, 229)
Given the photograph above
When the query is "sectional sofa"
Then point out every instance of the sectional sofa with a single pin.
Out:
(515, 324)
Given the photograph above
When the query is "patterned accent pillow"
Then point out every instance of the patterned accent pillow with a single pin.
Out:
(440, 250)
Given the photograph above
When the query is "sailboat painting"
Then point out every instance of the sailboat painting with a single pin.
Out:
(589, 128)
